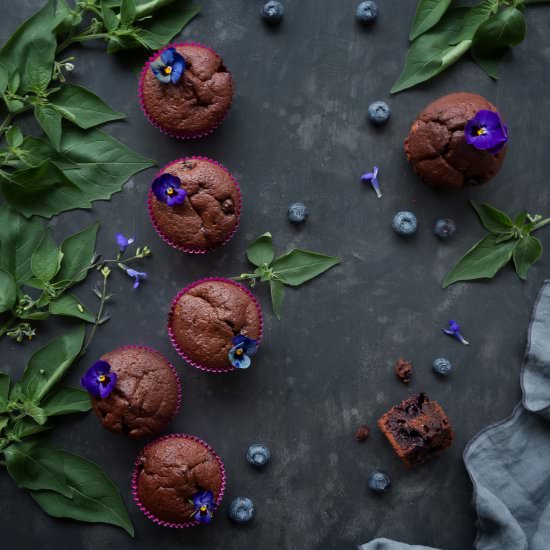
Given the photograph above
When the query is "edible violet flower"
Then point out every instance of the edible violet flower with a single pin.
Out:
(372, 177)
(168, 66)
(167, 188)
(454, 331)
(243, 348)
(137, 275)
(486, 131)
(123, 242)
(204, 504)
(99, 381)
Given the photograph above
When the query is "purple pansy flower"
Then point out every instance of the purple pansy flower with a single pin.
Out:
(204, 504)
(167, 188)
(454, 331)
(137, 276)
(99, 380)
(123, 242)
(372, 177)
(168, 66)
(486, 131)
(243, 348)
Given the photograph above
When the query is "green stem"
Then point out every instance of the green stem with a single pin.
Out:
(7, 325)
(541, 224)
(97, 318)
(80, 38)
(245, 277)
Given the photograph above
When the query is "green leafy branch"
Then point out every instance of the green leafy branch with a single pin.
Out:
(61, 483)
(293, 268)
(507, 240)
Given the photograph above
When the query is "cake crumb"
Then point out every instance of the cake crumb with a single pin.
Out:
(404, 370)
(362, 433)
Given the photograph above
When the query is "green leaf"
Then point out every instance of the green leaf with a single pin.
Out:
(428, 13)
(260, 251)
(38, 70)
(48, 365)
(82, 107)
(78, 252)
(14, 137)
(8, 291)
(5, 381)
(67, 400)
(526, 253)
(69, 306)
(94, 498)
(4, 77)
(473, 19)
(36, 413)
(492, 219)
(46, 260)
(483, 261)
(50, 121)
(110, 19)
(505, 28)
(26, 427)
(298, 266)
(489, 59)
(277, 289)
(4, 420)
(127, 13)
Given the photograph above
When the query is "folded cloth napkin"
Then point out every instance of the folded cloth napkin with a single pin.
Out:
(509, 462)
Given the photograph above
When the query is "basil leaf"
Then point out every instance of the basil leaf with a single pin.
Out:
(39, 65)
(526, 253)
(94, 498)
(110, 19)
(505, 28)
(4, 420)
(277, 289)
(82, 107)
(5, 381)
(488, 59)
(69, 306)
(46, 260)
(8, 291)
(298, 266)
(482, 261)
(14, 136)
(26, 427)
(428, 13)
(4, 77)
(492, 219)
(127, 13)
(50, 121)
(67, 400)
(473, 19)
(36, 413)
(78, 252)
(260, 251)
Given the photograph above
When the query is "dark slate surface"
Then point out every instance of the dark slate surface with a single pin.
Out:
(298, 131)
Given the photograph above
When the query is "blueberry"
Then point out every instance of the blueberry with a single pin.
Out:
(367, 12)
(379, 481)
(258, 455)
(445, 229)
(379, 112)
(298, 212)
(404, 223)
(241, 510)
(442, 366)
(272, 12)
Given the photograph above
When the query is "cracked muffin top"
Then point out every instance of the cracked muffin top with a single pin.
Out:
(146, 394)
(197, 102)
(437, 149)
(206, 317)
(170, 471)
(210, 213)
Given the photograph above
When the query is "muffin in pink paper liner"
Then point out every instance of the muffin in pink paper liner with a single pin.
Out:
(185, 90)
(178, 481)
(195, 204)
(135, 391)
(216, 325)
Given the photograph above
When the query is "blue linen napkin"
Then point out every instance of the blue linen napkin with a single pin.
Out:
(509, 462)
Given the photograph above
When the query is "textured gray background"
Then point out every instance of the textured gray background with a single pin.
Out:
(297, 131)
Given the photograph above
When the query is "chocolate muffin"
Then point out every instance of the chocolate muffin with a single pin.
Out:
(170, 472)
(208, 213)
(186, 90)
(146, 395)
(206, 316)
(438, 151)
(417, 429)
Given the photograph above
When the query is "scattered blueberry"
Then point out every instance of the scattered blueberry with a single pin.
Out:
(367, 12)
(379, 481)
(241, 510)
(404, 223)
(444, 229)
(258, 455)
(298, 212)
(442, 366)
(379, 112)
(272, 12)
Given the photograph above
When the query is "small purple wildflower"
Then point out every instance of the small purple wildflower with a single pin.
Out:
(243, 348)
(486, 131)
(204, 504)
(137, 275)
(169, 66)
(99, 381)
(454, 331)
(123, 242)
(372, 177)
(167, 188)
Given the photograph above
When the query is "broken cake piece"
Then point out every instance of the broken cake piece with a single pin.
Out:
(404, 370)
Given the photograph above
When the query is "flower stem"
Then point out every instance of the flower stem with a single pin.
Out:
(541, 223)
(80, 38)
(245, 277)
(97, 318)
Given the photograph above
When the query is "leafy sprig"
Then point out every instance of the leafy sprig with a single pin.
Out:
(293, 268)
(508, 240)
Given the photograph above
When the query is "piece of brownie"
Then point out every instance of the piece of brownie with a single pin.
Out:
(404, 370)
(417, 429)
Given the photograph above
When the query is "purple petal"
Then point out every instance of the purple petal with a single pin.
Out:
(168, 55)
(106, 389)
(178, 67)
(367, 177)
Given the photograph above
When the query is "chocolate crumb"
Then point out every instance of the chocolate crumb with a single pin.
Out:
(362, 433)
(404, 370)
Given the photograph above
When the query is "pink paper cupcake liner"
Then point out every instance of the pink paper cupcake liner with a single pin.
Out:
(171, 314)
(152, 517)
(142, 103)
(182, 248)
